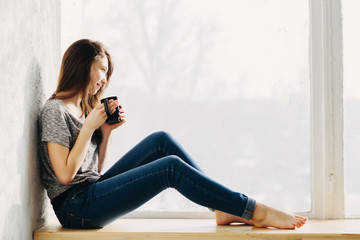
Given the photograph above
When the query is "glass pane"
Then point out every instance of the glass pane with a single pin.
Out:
(228, 79)
(351, 39)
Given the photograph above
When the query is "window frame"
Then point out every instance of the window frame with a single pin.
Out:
(326, 77)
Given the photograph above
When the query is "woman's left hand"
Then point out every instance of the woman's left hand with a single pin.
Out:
(107, 128)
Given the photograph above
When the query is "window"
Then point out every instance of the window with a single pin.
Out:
(228, 79)
(351, 106)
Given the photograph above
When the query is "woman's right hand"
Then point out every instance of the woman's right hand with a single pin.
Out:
(96, 117)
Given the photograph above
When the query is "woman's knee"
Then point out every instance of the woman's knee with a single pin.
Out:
(161, 139)
(174, 168)
(161, 135)
(174, 162)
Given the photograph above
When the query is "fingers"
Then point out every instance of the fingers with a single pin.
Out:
(122, 109)
(112, 105)
(122, 113)
(122, 116)
(99, 106)
(101, 109)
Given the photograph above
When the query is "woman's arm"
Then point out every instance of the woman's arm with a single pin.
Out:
(103, 150)
(66, 162)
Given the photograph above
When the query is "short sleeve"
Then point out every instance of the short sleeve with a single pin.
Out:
(54, 127)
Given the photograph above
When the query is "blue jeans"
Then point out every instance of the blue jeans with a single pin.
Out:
(156, 163)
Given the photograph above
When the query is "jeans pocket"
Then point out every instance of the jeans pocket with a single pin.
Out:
(79, 223)
(78, 196)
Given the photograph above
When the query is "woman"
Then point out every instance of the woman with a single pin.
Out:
(74, 140)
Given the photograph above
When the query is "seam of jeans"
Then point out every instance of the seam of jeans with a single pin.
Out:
(145, 157)
(245, 213)
(162, 171)
(127, 183)
(216, 196)
(205, 190)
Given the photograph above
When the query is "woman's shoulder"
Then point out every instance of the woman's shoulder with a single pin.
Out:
(52, 106)
(54, 103)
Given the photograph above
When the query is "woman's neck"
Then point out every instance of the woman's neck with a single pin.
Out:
(72, 103)
(74, 100)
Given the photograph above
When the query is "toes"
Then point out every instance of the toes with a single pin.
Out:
(295, 224)
(299, 222)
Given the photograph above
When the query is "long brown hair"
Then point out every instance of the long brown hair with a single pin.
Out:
(74, 77)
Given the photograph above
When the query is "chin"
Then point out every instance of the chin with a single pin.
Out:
(94, 92)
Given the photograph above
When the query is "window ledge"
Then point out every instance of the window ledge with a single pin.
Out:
(201, 229)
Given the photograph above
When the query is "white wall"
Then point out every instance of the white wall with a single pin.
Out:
(29, 62)
(33, 35)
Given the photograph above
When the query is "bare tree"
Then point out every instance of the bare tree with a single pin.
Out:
(168, 51)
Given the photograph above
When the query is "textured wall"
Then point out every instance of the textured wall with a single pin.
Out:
(29, 61)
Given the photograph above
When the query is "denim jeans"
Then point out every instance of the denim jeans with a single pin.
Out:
(156, 163)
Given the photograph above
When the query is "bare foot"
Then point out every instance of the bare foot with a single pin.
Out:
(265, 216)
(223, 218)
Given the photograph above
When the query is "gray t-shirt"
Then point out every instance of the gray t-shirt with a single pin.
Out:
(58, 125)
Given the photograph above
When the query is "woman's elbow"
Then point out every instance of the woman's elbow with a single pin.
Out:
(65, 180)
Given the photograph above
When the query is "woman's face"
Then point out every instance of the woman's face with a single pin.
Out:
(98, 76)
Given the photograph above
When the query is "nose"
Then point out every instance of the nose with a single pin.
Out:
(104, 80)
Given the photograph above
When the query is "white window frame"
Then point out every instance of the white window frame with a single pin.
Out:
(326, 77)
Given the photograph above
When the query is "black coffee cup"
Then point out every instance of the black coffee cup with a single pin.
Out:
(112, 118)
